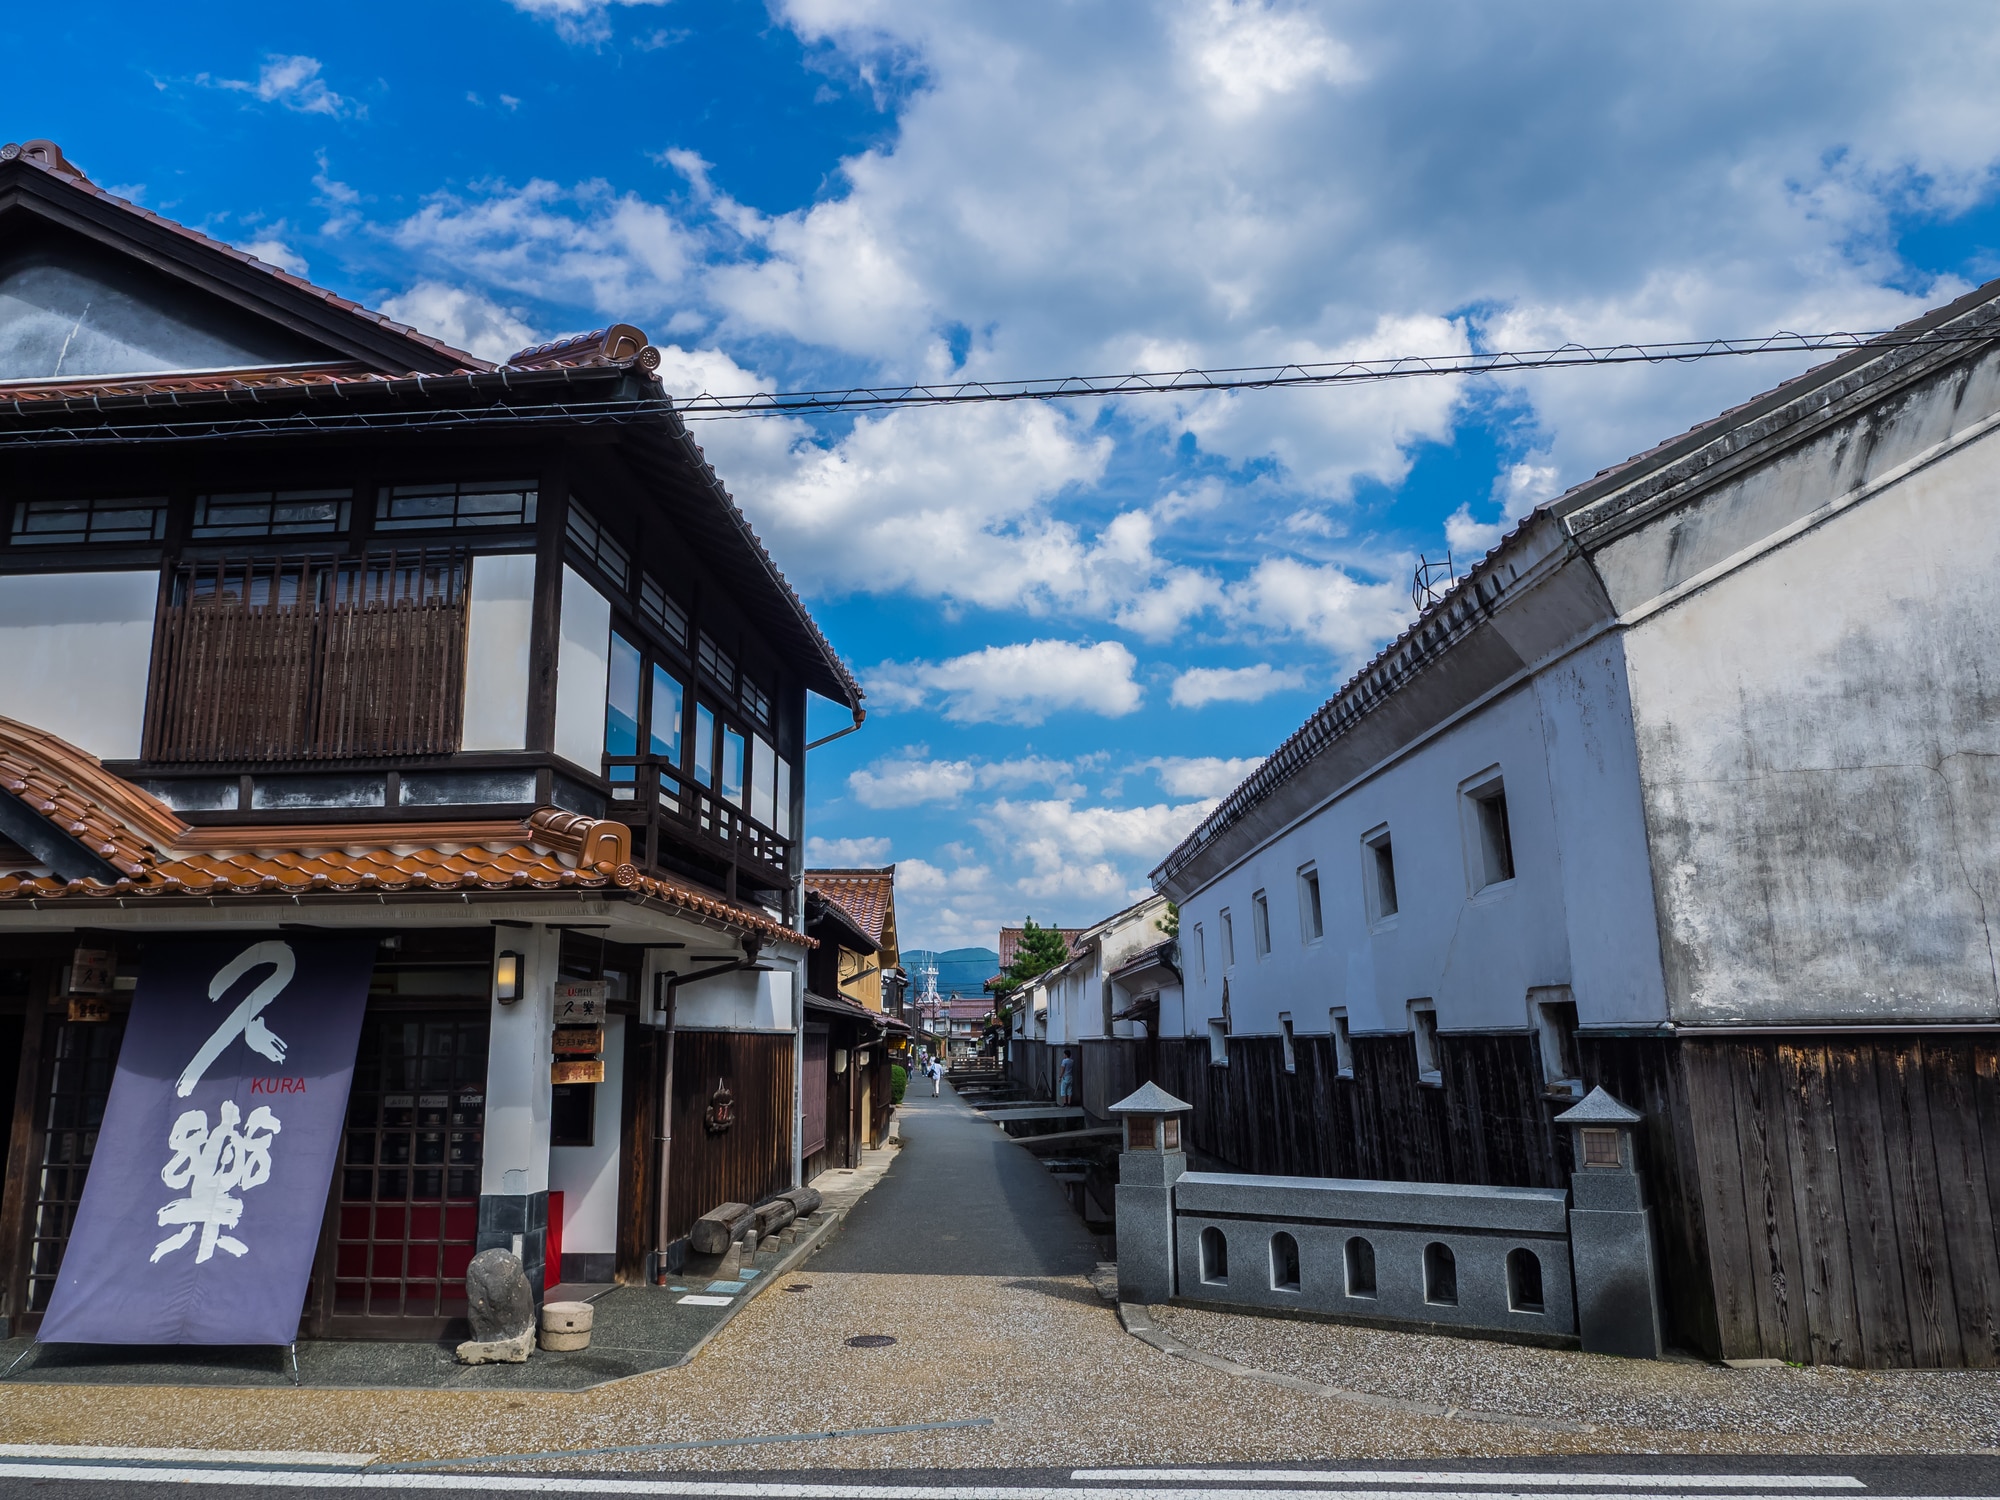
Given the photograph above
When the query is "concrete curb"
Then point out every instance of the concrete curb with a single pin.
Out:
(1138, 1322)
(806, 1246)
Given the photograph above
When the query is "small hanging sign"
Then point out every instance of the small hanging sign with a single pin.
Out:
(578, 1070)
(89, 1008)
(579, 1000)
(579, 1039)
(92, 971)
(721, 1111)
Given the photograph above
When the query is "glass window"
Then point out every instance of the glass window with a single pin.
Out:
(704, 744)
(756, 702)
(621, 707)
(763, 782)
(54, 522)
(717, 663)
(598, 545)
(783, 826)
(656, 605)
(732, 766)
(273, 513)
(480, 502)
(664, 733)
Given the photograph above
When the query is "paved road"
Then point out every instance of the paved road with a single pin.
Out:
(1624, 1478)
(962, 1200)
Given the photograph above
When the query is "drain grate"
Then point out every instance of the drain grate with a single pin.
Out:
(871, 1341)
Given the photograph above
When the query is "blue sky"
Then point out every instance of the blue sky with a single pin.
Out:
(1079, 625)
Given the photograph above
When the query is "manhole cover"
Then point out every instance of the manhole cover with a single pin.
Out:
(800, 1286)
(871, 1341)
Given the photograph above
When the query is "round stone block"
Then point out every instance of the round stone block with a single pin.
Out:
(566, 1325)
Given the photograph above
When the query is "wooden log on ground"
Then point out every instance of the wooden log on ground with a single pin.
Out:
(714, 1230)
(775, 1215)
(804, 1200)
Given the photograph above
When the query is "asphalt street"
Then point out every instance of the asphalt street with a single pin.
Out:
(1619, 1478)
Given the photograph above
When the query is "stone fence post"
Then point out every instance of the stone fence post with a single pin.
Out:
(1610, 1233)
(1150, 1164)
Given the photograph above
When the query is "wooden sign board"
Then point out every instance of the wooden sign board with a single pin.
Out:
(89, 1008)
(92, 970)
(579, 1039)
(579, 1070)
(579, 1000)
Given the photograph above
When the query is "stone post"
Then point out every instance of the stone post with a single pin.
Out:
(1611, 1233)
(1150, 1164)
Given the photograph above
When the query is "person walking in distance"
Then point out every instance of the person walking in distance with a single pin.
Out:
(937, 1077)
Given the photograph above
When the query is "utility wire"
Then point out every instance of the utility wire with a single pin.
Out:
(1277, 377)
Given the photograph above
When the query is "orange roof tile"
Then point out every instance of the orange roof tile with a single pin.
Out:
(158, 855)
(867, 896)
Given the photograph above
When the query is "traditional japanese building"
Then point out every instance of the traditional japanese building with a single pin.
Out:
(457, 697)
(1686, 791)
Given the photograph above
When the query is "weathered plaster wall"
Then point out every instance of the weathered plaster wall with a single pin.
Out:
(1816, 726)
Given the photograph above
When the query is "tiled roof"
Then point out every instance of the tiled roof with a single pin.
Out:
(46, 157)
(867, 896)
(157, 855)
(1010, 942)
(200, 382)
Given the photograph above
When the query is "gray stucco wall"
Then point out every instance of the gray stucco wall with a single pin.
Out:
(1815, 721)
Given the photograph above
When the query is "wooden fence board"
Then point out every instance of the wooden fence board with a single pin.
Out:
(1768, 1201)
(1711, 1085)
(1964, 1198)
(1819, 1213)
(1910, 1157)
(1865, 1189)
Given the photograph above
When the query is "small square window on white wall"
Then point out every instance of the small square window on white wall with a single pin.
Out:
(1424, 1033)
(1260, 923)
(1378, 874)
(1218, 1043)
(1552, 1012)
(1312, 921)
(1343, 1042)
(1489, 836)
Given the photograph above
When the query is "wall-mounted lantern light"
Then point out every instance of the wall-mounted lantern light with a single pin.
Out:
(839, 1061)
(507, 978)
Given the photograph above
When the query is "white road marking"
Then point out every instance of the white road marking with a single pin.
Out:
(1480, 1477)
(541, 1484)
(276, 1459)
(700, 1301)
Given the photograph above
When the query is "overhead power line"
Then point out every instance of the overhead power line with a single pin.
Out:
(706, 407)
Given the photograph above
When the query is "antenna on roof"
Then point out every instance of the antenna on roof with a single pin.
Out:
(1432, 581)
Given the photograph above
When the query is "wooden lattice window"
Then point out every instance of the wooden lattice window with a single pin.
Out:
(310, 658)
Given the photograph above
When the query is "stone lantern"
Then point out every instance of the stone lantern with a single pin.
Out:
(1611, 1232)
(1148, 1167)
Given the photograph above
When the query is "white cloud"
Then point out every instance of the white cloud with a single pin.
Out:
(1323, 603)
(1087, 854)
(910, 779)
(1199, 686)
(1247, 54)
(276, 252)
(462, 318)
(578, 21)
(849, 853)
(1211, 776)
(1519, 489)
(293, 82)
(1017, 684)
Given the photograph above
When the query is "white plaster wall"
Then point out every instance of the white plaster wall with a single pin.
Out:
(500, 611)
(583, 669)
(75, 650)
(1819, 732)
(517, 1069)
(1475, 954)
(587, 1176)
(737, 1002)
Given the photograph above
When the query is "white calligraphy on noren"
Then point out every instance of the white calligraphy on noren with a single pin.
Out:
(213, 1165)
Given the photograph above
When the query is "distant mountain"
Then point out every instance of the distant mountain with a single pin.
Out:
(961, 971)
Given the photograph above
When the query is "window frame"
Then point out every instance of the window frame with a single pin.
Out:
(1228, 941)
(1424, 1039)
(1343, 1041)
(91, 506)
(1485, 854)
(1288, 1038)
(1551, 1041)
(1260, 924)
(1378, 859)
(1312, 905)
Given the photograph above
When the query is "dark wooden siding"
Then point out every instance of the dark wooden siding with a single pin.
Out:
(753, 1158)
(1111, 1068)
(815, 1078)
(1852, 1184)
(1032, 1064)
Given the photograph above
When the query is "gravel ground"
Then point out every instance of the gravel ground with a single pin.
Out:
(1045, 1358)
(1683, 1404)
